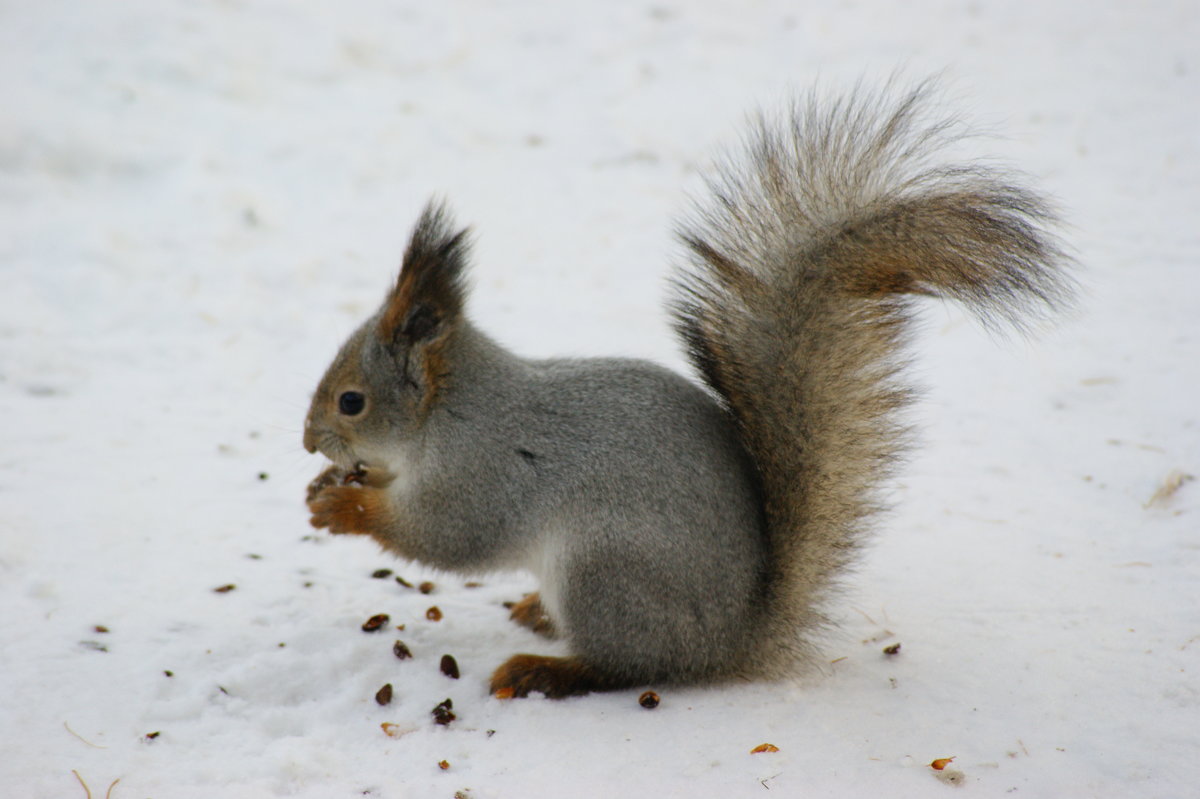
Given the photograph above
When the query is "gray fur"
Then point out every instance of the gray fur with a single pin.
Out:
(621, 472)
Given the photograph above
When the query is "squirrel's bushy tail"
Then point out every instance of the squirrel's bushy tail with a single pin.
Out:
(798, 300)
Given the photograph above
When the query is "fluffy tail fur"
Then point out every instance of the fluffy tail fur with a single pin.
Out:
(798, 301)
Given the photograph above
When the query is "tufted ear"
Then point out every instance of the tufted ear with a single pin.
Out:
(427, 300)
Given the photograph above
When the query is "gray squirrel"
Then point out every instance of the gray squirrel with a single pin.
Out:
(681, 533)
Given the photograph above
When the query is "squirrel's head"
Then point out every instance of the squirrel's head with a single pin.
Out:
(388, 375)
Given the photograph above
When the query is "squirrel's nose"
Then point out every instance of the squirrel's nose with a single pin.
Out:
(310, 440)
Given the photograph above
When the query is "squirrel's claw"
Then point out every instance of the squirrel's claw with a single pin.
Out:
(333, 475)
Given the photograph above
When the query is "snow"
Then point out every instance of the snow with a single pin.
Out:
(198, 201)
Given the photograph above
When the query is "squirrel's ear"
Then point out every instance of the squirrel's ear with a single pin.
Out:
(428, 298)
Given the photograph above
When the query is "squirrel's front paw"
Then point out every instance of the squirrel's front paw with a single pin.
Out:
(349, 502)
(333, 475)
(348, 509)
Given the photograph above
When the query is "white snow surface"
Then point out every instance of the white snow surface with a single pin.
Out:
(199, 200)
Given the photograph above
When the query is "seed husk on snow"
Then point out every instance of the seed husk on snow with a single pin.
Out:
(443, 714)
(384, 695)
(375, 623)
(648, 700)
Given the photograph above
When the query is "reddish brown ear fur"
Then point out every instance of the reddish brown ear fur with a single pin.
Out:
(428, 296)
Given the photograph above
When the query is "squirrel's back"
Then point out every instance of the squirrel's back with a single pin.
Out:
(797, 304)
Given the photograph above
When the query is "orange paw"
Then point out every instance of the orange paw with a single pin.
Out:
(530, 613)
(555, 677)
(350, 509)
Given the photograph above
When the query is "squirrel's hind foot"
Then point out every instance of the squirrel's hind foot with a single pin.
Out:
(555, 677)
(529, 612)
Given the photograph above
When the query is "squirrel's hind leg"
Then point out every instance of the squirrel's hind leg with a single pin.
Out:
(530, 612)
(556, 677)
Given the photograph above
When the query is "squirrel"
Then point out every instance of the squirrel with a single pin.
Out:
(679, 532)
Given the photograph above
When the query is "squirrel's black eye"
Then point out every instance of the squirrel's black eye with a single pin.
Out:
(351, 403)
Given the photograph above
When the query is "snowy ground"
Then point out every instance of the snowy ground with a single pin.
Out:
(199, 199)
